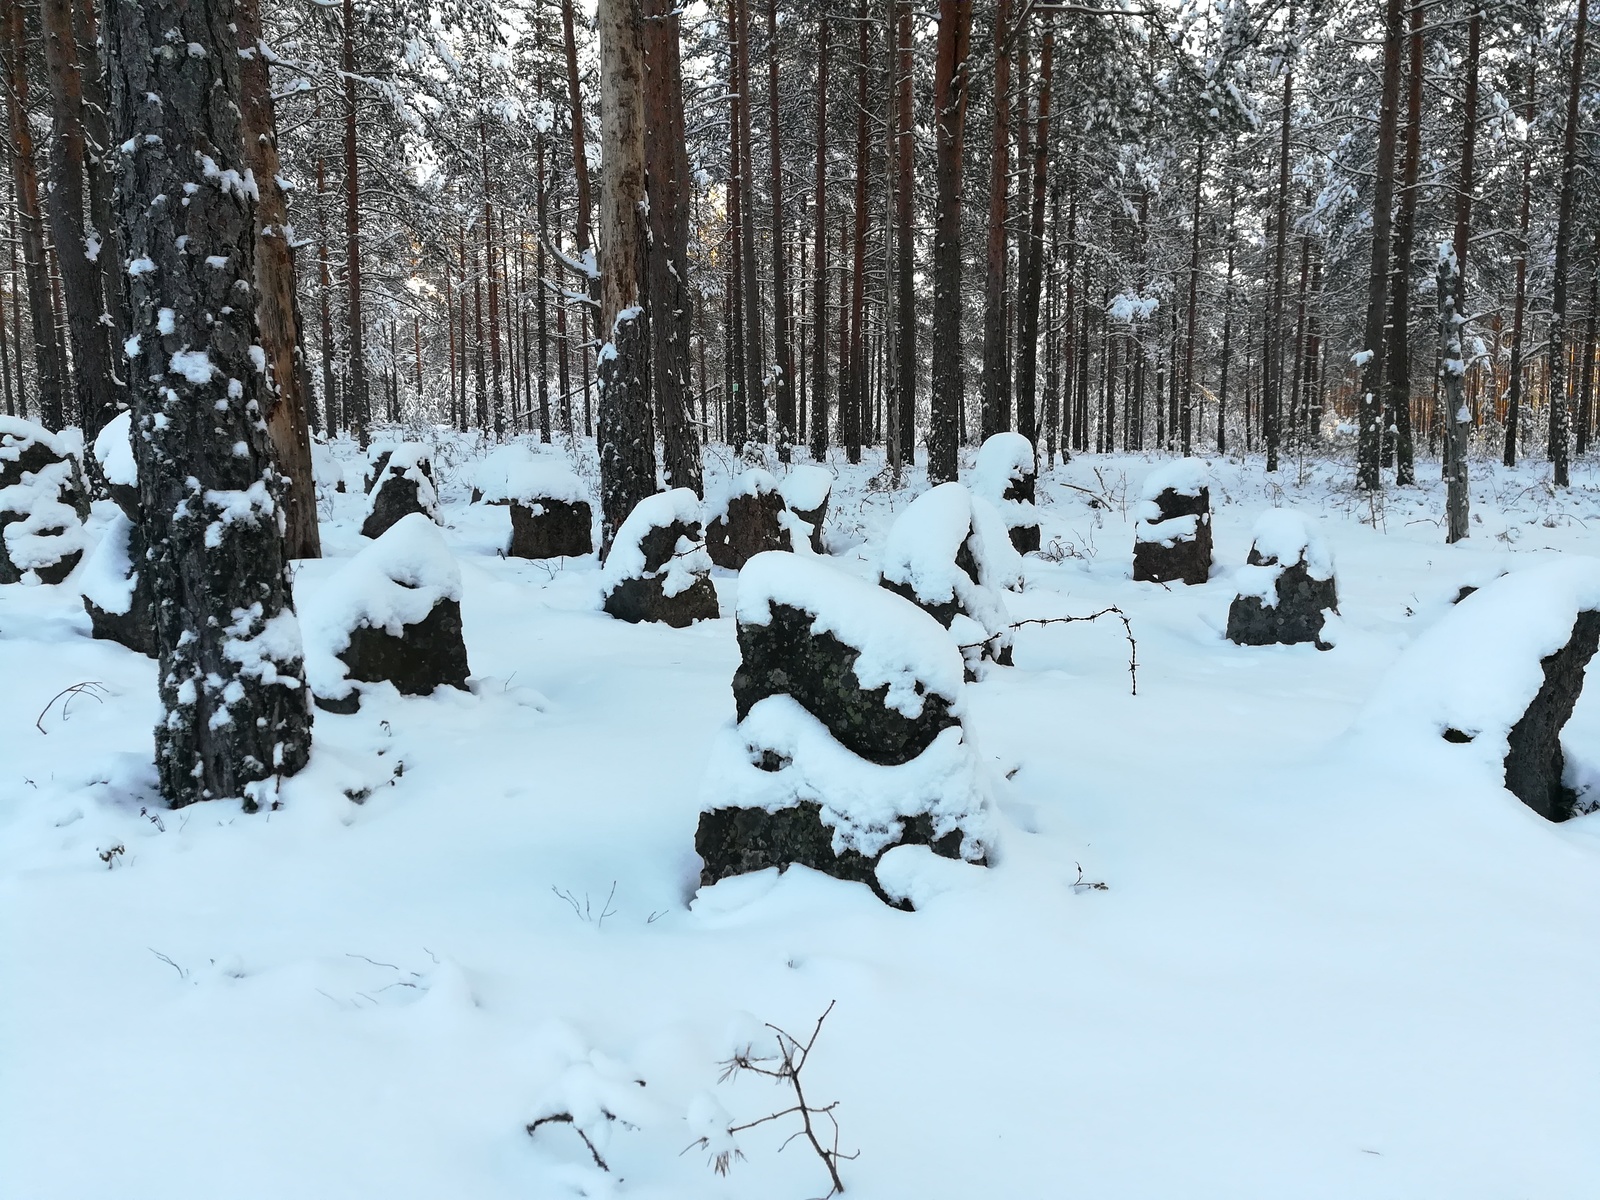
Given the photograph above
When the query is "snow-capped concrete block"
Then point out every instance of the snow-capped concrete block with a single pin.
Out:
(1286, 588)
(658, 569)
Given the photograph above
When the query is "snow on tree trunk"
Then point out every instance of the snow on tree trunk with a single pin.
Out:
(232, 681)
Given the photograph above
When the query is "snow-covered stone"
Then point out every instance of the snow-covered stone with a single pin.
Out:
(1497, 677)
(1005, 475)
(849, 739)
(392, 613)
(658, 569)
(115, 595)
(403, 484)
(42, 504)
(746, 519)
(1286, 590)
(951, 554)
(1172, 535)
(806, 490)
(113, 454)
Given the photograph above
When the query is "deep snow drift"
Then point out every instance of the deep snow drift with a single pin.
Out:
(1322, 964)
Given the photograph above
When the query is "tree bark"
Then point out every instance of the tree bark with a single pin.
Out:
(1399, 351)
(1370, 433)
(1520, 303)
(782, 357)
(950, 116)
(580, 157)
(1452, 312)
(626, 435)
(1033, 273)
(358, 404)
(905, 237)
(49, 370)
(277, 305)
(1559, 449)
(994, 385)
(819, 304)
(755, 375)
(78, 245)
(667, 183)
(853, 406)
(232, 685)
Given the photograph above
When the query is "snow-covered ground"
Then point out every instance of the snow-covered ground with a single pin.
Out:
(1326, 961)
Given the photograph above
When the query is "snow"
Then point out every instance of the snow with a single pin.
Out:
(1284, 537)
(627, 560)
(863, 803)
(113, 450)
(393, 582)
(515, 473)
(107, 576)
(899, 645)
(47, 532)
(1003, 459)
(407, 460)
(16, 435)
(1324, 966)
(755, 482)
(193, 365)
(1478, 667)
(806, 487)
(1183, 476)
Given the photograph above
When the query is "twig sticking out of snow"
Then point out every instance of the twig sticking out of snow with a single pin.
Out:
(785, 1067)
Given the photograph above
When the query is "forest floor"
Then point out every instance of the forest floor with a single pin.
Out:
(1316, 968)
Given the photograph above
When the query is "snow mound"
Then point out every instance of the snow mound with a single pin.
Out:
(864, 804)
(408, 461)
(628, 560)
(394, 582)
(1185, 476)
(539, 479)
(113, 450)
(1281, 539)
(17, 436)
(806, 487)
(754, 482)
(1004, 459)
(1479, 667)
(108, 577)
(327, 472)
(898, 645)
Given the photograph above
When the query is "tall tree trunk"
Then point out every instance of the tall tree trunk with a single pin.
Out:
(1033, 272)
(1272, 389)
(1370, 433)
(905, 237)
(738, 403)
(78, 246)
(782, 357)
(819, 304)
(1586, 378)
(330, 399)
(480, 361)
(49, 370)
(236, 716)
(950, 118)
(1227, 324)
(544, 304)
(994, 385)
(358, 404)
(1186, 412)
(580, 160)
(1452, 308)
(626, 436)
(755, 375)
(277, 306)
(852, 410)
(1559, 414)
(1519, 305)
(1399, 349)
(667, 184)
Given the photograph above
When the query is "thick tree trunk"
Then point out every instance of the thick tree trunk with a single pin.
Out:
(819, 304)
(78, 246)
(232, 685)
(49, 369)
(626, 436)
(950, 117)
(277, 306)
(1370, 433)
(667, 182)
(994, 385)
(1452, 314)
(1559, 449)
(1399, 351)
